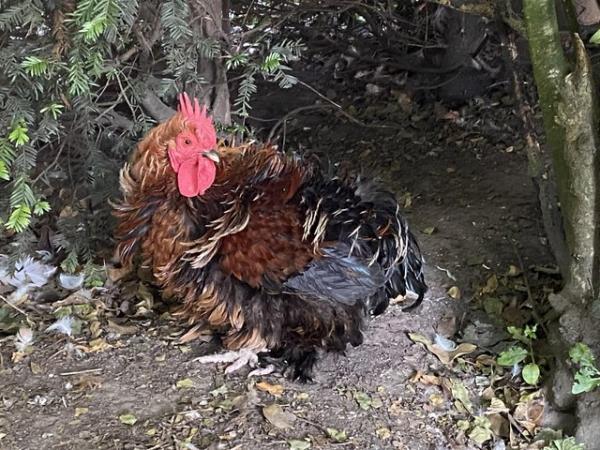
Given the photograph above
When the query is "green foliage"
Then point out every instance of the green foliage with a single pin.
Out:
(271, 65)
(513, 355)
(517, 354)
(587, 376)
(35, 66)
(95, 276)
(565, 444)
(72, 79)
(595, 39)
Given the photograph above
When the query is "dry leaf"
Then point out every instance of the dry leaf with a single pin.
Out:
(444, 356)
(80, 411)
(491, 285)
(273, 389)
(513, 271)
(454, 292)
(121, 329)
(426, 379)
(383, 433)
(278, 417)
(436, 400)
(115, 274)
(35, 368)
(128, 419)
(429, 230)
(186, 383)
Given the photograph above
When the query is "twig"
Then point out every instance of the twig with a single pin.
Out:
(316, 425)
(53, 163)
(344, 113)
(536, 315)
(79, 372)
(291, 113)
(15, 307)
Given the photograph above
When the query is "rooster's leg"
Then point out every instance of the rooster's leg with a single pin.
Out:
(238, 359)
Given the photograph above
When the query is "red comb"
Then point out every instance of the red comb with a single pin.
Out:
(205, 129)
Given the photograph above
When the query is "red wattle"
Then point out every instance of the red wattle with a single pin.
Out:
(195, 176)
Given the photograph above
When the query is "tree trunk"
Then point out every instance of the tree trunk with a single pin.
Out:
(570, 113)
(214, 91)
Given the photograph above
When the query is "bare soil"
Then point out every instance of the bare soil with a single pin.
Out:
(460, 171)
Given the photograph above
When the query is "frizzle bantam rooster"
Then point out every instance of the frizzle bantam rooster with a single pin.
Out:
(260, 247)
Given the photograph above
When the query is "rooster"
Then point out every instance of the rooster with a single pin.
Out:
(264, 249)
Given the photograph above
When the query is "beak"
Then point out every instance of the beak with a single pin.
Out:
(213, 155)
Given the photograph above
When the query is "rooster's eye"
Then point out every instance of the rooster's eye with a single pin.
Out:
(188, 141)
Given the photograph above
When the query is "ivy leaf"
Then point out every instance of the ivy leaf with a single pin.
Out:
(584, 382)
(127, 419)
(531, 374)
(565, 444)
(512, 356)
(581, 354)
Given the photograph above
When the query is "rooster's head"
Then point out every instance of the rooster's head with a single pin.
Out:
(192, 152)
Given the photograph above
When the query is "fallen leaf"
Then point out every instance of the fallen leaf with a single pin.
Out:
(298, 445)
(127, 419)
(86, 382)
(36, 369)
(336, 435)
(80, 411)
(429, 230)
(278, 417)
(463, 425)
(499, 425)
(497, 406)
(426, 379)
(461, 395)
(185, 383)
(444, 356)
(454, 292)
(383, 433)
(436, 400)
(481, 431)
(301, 396)
(480, 435)
(99, 345)
(491, 285)
(221, 390)
(363, 399)
(273, 389)
(513, 271)
(121, 329)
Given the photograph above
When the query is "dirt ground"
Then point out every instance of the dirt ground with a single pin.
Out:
(462, 176)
